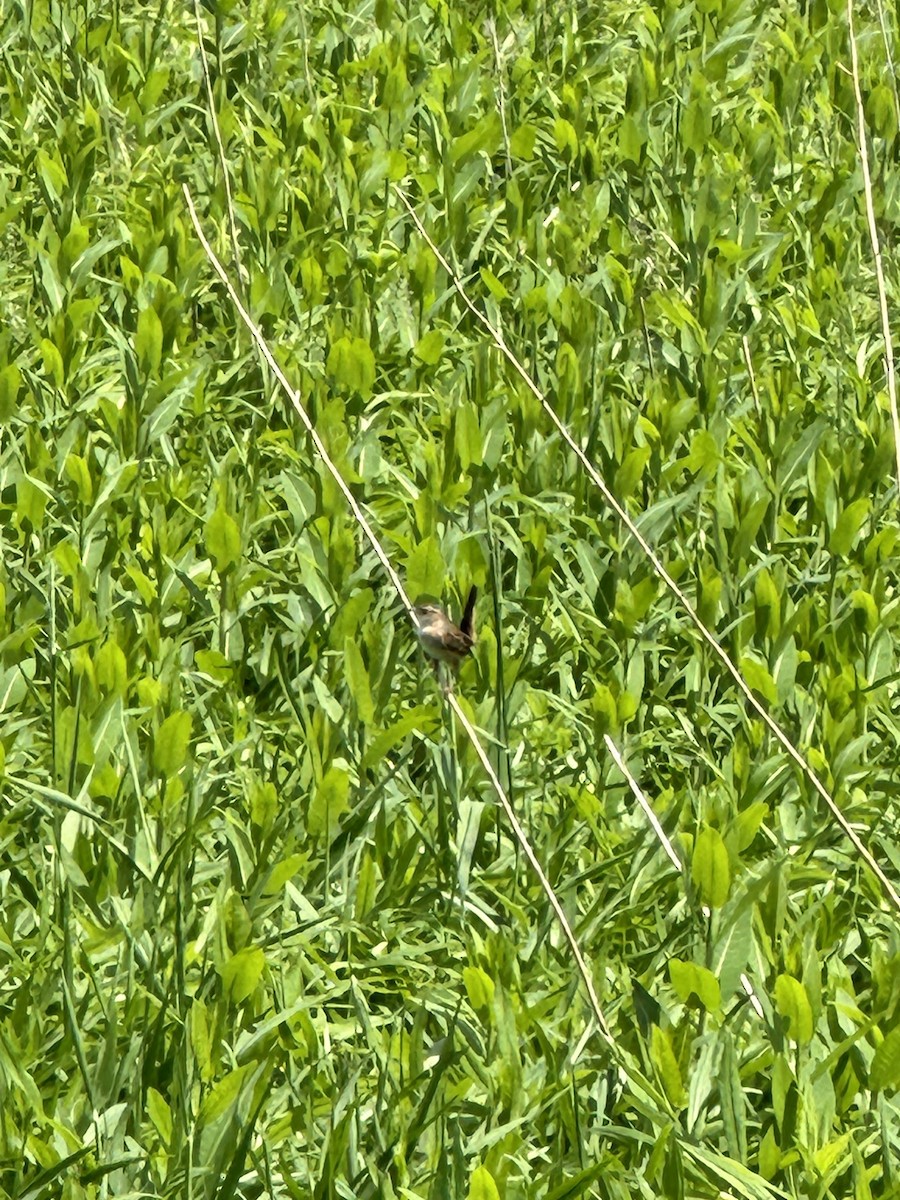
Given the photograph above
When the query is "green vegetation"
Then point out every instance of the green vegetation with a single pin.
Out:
(264, 931)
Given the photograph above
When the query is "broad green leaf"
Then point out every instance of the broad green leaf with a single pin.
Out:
(351, 364)
(768, 604)
(605, 709)
(493, 284)
(53, 362)
(214, 664)
(384, 11)
(536, 302)
(482, 1186)
(672, 1178)
(578, 1184)
(568, 372)
(74, 243)
(747, 823)
(884, 1074)
(632, 137)
(749, 528)
(865, 610)
(223, 540)
(131, 275)
(161, 419)
(705, 455)
(263, 805)
(160, 1114)
(77, 470)
(10, 386)
(690, 979)
(769, 1154)
(330, 802)
(67, 559)
(358, 681)
(710, 870)
(366, 888)
(429, 348)
(351, 613)
(696, 123)
(881, 112)
(758, 677)
(629, 473)
(509, 1067)
(312, 279)
(31, 503)
(468, 436)
(793, 1004)
(281, 872)
(479, 987)
(148, 341)
(224, 1095)
(111, 668)
(834, 1152)
(170, 746)
(425, 570)
(149, 692)
(242, 972)
(396, 88)
(848, 527)
(52, 174)
(783, 1085)
(484, 137)
(566, 139)
(663, 1058)
(419, 720)
(522, 142)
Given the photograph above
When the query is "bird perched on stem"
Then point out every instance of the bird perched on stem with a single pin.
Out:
(441, 639)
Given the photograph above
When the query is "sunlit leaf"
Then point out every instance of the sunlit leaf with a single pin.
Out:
(429, 347)
(170, 745)
(710, 869)
(482, 1186)
(351, 364)
(148, 340)
(884, 1074)
(358, 681)
(691, 979)
(793, 1004)
(242, 972)
(666, 1064)
(425, 570)
(223, 540)
(330, 802)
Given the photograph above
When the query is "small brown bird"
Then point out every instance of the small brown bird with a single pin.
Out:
(441, 639)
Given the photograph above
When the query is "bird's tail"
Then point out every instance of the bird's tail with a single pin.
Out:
(467, 624)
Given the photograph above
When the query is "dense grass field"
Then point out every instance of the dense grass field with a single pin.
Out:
(266, 926)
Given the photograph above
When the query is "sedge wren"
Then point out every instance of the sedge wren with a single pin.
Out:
(441, 639)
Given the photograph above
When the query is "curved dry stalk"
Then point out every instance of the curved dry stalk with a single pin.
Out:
(294, 398)
(873, 237)
(220, 146)
(670, 850)
(717, 648)
(521, 837)
(643, 802)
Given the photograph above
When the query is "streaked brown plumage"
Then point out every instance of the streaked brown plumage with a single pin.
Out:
(441, 639)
